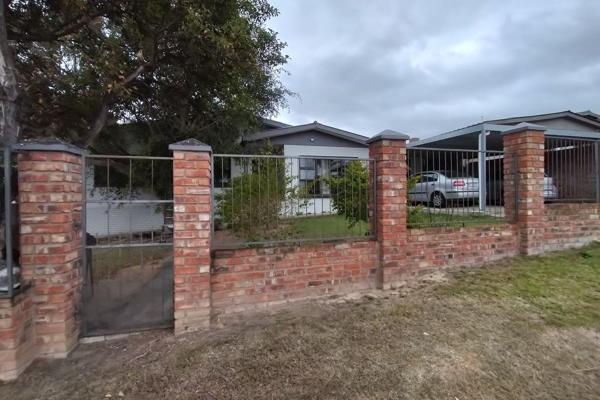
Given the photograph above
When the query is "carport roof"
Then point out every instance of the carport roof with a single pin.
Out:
(468, 137)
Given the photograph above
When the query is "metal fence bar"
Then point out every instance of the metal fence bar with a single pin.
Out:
(453, 187)
(263, 199)
(120, 179)
(8, 221)
(572, 170)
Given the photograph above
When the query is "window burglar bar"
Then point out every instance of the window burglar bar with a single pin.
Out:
(446, 187)
(571, 170)
(260, 199)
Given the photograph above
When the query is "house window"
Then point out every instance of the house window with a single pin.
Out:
(311, 174)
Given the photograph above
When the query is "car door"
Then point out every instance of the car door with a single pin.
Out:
(430, 182)
(417, 193)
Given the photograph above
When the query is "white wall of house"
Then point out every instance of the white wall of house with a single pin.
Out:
(318, 205)
(107, 219)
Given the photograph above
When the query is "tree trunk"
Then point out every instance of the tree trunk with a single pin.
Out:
(9, 127)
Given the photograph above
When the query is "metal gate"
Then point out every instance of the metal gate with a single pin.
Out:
(128, 260)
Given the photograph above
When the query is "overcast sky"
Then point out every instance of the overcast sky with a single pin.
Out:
(425, 67)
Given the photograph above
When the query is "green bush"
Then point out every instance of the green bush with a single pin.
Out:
(350, 192)
(255, 201)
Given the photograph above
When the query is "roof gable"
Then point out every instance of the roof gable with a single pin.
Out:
(315, 126)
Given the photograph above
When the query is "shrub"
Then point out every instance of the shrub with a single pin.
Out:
(350, 192)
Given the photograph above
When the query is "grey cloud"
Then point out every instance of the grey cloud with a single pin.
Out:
(429, 67)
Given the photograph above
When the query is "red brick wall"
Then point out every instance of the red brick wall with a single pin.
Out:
(571, 225)
(248, 278)
(430, 249)
(50, 204)
(391, 203)
(17, 340)
(524, 172)
(191, 239)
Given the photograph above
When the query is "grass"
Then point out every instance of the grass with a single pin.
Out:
(563, 288)
(526, 328)
(328, 226)
(106, 263)
(425, 219)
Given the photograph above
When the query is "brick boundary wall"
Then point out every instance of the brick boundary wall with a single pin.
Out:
(388, 149)
(17, 336)
(42, 321)
(250, 278)
(524, 184)
(50, 205)
(431, 249)
(571, 225)
(192, 185)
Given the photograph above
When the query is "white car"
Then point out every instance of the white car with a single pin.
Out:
(439, 187)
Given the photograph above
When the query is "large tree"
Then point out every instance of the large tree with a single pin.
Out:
(171, 68)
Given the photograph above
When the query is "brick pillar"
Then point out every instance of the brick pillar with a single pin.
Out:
(388, 148)
(50, 204)
(192, 234)
(524, 184)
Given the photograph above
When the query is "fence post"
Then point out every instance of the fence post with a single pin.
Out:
(192, 186)
(597, 169)
(388, 149)
(524, 184)
(50, 207)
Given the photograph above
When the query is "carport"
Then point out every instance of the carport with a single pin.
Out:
(563, 145)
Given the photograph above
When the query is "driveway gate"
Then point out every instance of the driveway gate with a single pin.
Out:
(128, 261)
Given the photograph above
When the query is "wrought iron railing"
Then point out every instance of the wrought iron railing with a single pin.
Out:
(571, 170)
(259, 199)
(454, 187)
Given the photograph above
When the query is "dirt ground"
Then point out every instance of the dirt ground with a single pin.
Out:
(424, 342)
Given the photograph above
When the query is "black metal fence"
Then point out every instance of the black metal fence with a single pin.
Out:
(261, 199)
(10, 272)
(454, 187)
(571, 170)
(128, 261)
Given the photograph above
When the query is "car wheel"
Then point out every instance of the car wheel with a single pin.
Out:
(438, 200)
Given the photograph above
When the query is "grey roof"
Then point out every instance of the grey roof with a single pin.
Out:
(540, 117)
(315, 126)
(274, 124)
(590, 114)
(388, 134)
(190, 145)
(505, 124)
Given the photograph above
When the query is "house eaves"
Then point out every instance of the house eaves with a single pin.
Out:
(274, 124)
(477, 128)
(315, 126)
(541, 117)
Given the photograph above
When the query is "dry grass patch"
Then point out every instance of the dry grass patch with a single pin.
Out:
(442, 341)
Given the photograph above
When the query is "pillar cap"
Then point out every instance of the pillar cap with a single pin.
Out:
(388, 134)
(190, 145)
(48, 144)
(525, 126)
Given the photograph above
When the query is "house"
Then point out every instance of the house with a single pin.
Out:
(570, 150)
(311, 152)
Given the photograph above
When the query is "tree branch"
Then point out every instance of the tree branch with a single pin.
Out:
(68, 28)
(109, 99)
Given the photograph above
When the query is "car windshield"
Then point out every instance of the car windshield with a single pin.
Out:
(455, 174)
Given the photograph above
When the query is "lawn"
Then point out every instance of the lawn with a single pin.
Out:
(328, 226)
(527, 328)
(107, 262)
